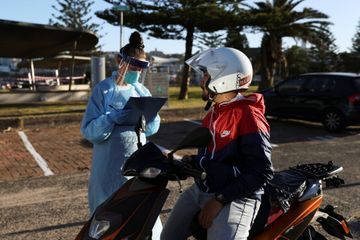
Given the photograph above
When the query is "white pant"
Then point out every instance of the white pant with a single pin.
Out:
(232, 223)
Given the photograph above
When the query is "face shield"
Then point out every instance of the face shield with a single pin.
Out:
(131, 70)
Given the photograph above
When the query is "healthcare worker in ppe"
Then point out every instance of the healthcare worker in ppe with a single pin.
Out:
(104, 122)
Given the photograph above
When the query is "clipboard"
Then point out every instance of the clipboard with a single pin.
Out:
(147, 106)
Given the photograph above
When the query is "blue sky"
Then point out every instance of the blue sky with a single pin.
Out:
(344, 14)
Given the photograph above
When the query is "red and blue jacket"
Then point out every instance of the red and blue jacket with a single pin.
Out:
(238, 159)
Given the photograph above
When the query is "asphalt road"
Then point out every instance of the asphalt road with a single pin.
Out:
(33, 206)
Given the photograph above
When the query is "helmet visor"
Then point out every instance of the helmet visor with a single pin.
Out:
(195, 62)
(207, 61)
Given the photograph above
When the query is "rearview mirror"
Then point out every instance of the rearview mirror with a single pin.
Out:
(200, 137)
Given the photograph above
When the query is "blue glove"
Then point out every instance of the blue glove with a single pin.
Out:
(119, 116)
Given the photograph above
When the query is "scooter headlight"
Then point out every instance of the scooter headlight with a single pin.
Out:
(98, 228)
(150, 172)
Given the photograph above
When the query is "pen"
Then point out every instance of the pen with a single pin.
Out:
(113, 107)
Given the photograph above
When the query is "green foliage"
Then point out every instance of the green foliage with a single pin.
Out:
(177, 19)
(278, 19)
(41, 108)
(323, 56)
(235, 39)
(356, 40)
(297, 60)
(350, 61)
(169, 19)
(74, 14)
(210, 40)
(194, 99)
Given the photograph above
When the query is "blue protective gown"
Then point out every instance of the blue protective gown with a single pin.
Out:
(112, 143)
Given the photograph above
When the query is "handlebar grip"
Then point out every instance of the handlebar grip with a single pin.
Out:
(194, 173)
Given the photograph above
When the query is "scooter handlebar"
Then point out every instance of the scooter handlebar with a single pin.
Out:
(193, 173)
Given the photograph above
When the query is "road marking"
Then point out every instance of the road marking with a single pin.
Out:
(318, 138)
(199, 123)
(40, 161)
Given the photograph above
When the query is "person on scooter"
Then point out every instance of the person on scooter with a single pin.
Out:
(104, 122)
(237, 161)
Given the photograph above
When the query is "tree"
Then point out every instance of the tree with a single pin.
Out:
(74, 14)
(350, 61)
(210, 40)
(356, 40)
(297, 60)
(323, 56)
(278, 19)
(177, 19)
(235, 39)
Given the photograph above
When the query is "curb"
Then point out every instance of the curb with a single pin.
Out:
(52, 119)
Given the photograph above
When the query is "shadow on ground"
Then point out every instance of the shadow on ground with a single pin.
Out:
(286, 131)
(47, 228)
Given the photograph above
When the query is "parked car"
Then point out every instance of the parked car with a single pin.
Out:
(330, 98)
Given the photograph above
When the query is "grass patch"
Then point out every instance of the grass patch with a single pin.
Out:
(194, 100)
(194, 97)
(40, 108)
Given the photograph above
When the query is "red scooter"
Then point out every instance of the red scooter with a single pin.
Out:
(291, 202)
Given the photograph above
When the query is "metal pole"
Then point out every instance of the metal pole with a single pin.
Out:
(121, 26)
(32, 86)
(58, 71)
(72, 65)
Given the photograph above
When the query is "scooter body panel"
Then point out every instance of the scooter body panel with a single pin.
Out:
(291, 224)
(137, 202)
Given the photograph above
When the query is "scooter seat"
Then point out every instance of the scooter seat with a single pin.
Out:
(286, 187)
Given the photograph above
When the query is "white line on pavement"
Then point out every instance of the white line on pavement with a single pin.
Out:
(40, 161)
(320, 138)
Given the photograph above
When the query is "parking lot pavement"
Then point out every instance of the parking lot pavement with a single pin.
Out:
(59, 201)
(53, 207)
(62, 148)
(15, 161)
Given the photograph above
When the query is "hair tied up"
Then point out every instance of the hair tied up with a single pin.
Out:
(136, 40)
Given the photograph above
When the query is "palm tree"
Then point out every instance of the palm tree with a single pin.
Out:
(278, 19)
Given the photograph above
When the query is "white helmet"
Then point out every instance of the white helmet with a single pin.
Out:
(229, 68)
